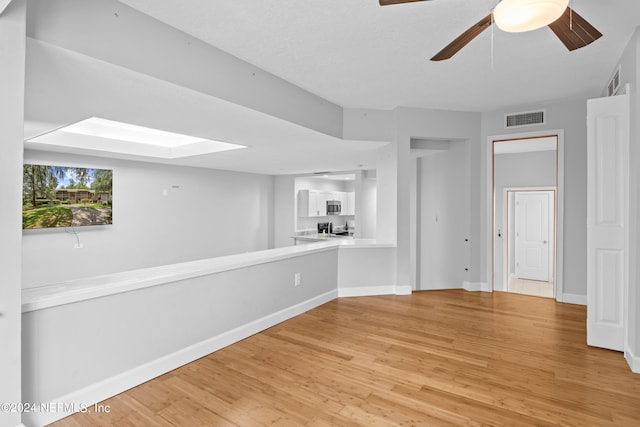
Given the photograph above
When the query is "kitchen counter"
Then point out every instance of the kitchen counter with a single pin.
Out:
(82, 289)
(318, 237)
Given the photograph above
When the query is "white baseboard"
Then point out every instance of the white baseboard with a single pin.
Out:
(364, 291)
(467, 286)
(439, 287)
(574, 299)
(476, 286)
(88, 396)
(403, 290)
(632, 360)
(472, 286)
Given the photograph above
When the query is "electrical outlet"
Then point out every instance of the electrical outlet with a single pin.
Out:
(296, 279)
(78, 246)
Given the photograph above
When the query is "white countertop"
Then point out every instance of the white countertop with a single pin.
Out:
(93, 287)
(320, 237)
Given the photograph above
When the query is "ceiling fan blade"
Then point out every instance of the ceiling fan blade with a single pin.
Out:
(574, 31)
(388, 2)
(464, 38)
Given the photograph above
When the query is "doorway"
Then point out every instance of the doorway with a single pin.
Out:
(529, 238)
(525, 189)
(441, 200)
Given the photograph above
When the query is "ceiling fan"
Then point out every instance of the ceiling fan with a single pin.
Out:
(525, 15)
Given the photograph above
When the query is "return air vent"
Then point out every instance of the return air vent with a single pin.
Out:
(528, 118)
(614, 83)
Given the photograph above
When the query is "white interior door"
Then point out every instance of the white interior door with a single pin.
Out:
(534, 235)
(607, 220)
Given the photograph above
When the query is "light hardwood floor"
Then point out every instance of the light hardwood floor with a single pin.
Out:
(434, 358)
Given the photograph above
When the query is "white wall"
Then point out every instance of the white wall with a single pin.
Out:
(535, 169)
(387, 197)
(570, 116)
(366, 206)
(366, 271)
(285, 207)
(444, 217)
(369, 125)
(211, 213)
(12, 70)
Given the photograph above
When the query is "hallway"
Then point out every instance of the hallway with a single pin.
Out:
(531, 287)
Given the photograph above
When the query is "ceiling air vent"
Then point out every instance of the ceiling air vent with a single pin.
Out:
(528, 118)
(614, 83)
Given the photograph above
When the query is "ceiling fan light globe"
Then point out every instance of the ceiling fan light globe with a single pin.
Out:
(517, 16)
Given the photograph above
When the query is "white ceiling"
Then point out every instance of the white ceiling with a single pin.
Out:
(3, 5)
(356, 53)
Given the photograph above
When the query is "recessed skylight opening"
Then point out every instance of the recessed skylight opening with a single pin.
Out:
(126, 132)
(106, 135)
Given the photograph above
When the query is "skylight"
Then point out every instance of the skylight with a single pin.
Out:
(110, 136)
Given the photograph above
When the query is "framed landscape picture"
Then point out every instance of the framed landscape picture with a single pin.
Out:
(65, 196)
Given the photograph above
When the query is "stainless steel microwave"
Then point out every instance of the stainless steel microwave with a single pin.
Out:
(333, 207)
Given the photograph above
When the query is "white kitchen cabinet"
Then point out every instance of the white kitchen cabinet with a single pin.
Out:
(349, 207)
(323, 196)
(311, 203)
(317, 206)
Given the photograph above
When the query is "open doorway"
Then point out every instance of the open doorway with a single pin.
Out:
(525, 201)
(440, 199)
(529, 237)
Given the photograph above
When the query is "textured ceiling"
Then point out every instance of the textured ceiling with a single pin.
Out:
(358, 54)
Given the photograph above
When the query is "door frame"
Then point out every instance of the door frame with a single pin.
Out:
(490, 214)
(506, 228)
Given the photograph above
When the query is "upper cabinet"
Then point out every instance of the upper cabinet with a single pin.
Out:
(350, 204)
(308, 203)
(313, 203)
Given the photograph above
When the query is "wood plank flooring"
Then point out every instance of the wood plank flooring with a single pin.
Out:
(436, 358)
